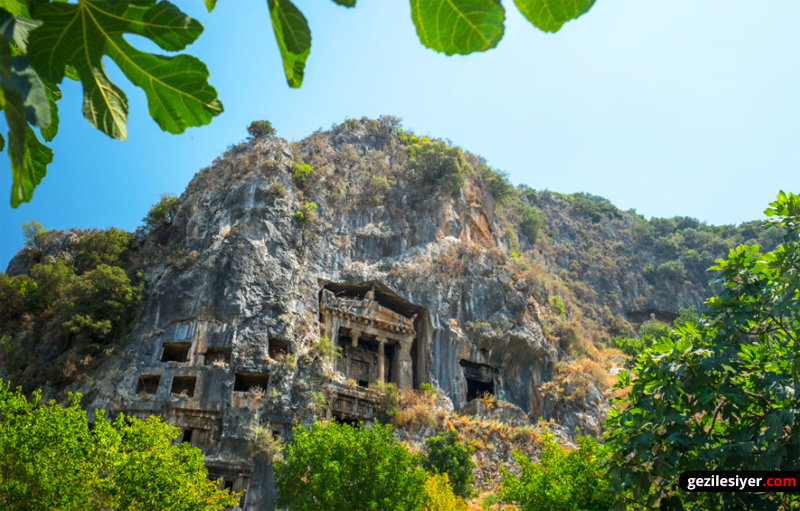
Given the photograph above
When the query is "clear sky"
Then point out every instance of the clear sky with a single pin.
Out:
(671, 107)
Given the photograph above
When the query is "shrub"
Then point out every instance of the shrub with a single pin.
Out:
(447, 455)
(650, 273)
(307, 213)
(593, 206)
(31, 232)
(671, 271)
(110, 247)
(563, 480)
(558, 305)
(497, 184)
(531, 220)
(301, 172)
(439, 495)
(668, 247)
(434, 164)
(17, 296)
(259, 129)
(333, 466)
(652, 332)
(265, 444)
(99, 305)
(52, 459)
(161, 213)
(276, 189)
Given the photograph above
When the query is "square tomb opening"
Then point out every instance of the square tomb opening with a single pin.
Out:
(176, 351)
(183, 385)
(217, 357)
(243, 382)
(480, 379)
(278, 347)
(148, 384)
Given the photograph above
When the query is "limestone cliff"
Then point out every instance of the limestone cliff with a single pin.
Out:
(425, 283)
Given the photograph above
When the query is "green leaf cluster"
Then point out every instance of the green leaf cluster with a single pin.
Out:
(333, 466)
(40, 46)
(563, 480)
(447, 455)
(161, 213)
(434, 165)
(54, 458)
(259, 129)
(90, 299)
(720, 394)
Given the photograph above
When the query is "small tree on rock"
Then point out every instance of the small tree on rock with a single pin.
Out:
(258, 129)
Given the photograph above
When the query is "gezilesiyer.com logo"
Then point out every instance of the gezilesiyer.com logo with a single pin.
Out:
(740, 481)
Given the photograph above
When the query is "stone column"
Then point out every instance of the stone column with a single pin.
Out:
(381, 359)
(354, 335)
(406, 376)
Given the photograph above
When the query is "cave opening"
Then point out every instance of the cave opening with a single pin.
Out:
(480, 379)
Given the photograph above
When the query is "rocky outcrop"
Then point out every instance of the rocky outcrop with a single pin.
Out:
(234, 334)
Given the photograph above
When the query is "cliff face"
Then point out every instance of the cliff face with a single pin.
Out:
(426, 284)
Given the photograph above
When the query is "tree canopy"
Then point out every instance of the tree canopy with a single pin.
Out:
(54, 458)
(719, 394)
(333, 466)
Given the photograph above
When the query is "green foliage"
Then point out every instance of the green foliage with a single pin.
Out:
(325, 348)
(439, 495)
(99, 305)
(593, 207)
(671, 271)
(650, 273)
(720, 394)
(17, 296)
(558, 305)
(550, 16)
(434, 164)
(72, 40)
(301, 172)
(686, 315)
(110, 247)
(264, 444)
(461, 26)
(652, 332)
(12, 355)
(531, 220)
(497, 184)
(31, 231)
(258, 129)
(563, 480)
(52, 459)
(333, 466)
(447, 455)
(307, 213)
(293, 37)
(161, 213)
(81, 34)
(631, 346)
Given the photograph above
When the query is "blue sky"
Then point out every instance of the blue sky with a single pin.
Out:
(670, 107)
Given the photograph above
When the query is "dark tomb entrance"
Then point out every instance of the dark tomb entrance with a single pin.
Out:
(480, 379)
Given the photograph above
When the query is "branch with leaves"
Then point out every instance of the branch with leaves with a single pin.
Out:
(42, 42)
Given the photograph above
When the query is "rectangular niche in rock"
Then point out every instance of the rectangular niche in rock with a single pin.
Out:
(278, 347)
(183, 386)
(217, 357)
(148, 384)
(175, 351)
(244, 382)
(480, 379)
